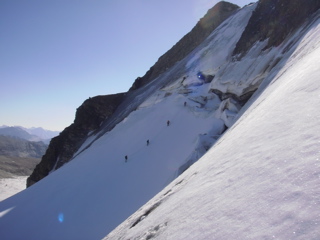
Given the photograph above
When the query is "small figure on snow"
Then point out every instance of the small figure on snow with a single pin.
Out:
(168, 123)
(148, 142)
(126, 158)
(185, 104)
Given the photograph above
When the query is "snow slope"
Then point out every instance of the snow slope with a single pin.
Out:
(261, 179)
(91, 195)
(99, 187)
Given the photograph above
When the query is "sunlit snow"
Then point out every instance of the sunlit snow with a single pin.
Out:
(261, 180)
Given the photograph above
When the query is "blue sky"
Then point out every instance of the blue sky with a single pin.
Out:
(56, 54)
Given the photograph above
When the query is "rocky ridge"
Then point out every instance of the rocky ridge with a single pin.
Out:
(213, 18)
(89, 117)
(274, 20)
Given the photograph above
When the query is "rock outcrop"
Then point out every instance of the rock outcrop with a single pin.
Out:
(213, 18)
(274, 20)
(89, 117)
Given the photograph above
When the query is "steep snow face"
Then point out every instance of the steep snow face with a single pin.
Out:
(261, 179)
(121, 170)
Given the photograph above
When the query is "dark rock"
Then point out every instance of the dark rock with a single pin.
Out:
(214, 17)
(209, 78)
(274, 20)
(239, 99)
(89, 117)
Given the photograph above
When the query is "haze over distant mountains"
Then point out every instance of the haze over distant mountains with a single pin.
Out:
(34, 134)
(21, 149)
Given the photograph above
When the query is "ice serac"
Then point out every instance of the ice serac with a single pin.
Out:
(89, 117)
(213, 18)
(273, 23)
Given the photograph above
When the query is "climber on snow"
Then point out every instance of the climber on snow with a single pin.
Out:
(168, 123)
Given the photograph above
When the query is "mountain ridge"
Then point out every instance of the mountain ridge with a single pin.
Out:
(30, 134)
(274, 20)
(211, 20)
(89, 117)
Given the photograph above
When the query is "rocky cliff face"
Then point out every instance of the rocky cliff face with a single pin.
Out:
(89, 116)
(214, 17)
(274, 20)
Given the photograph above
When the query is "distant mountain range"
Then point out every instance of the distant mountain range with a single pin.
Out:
(17, 147)
(21, 149)
(19, 156)
(29, 134)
